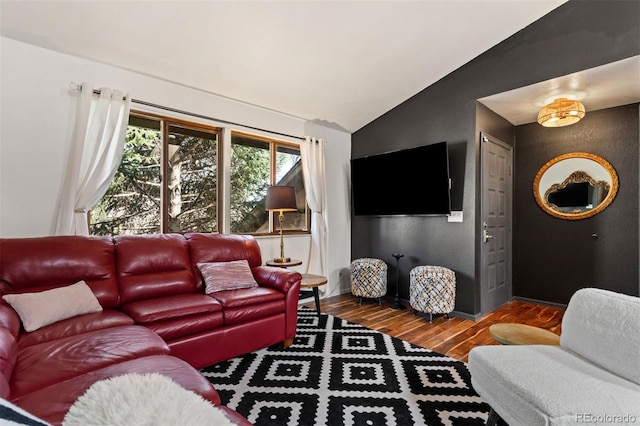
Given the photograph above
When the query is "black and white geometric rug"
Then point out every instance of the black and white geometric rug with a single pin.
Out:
(340, 373)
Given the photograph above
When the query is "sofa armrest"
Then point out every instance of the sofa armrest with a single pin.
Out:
(288, 282)
(8, 357)
(9, 319)
(596, 321)
(276, 278)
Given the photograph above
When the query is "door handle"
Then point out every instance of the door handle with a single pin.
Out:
(485, 236)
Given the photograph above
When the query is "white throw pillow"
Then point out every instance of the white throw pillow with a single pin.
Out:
(40, 309)
(220, 276)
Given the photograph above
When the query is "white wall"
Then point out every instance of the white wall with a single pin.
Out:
(337, 155)
(37, 111)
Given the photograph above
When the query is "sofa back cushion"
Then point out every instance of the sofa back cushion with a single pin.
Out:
(207, 248)
(35, 264)
(602, 326)
(150, 266)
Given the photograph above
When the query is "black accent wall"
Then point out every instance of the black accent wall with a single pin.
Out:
(554, 257)
(576, 36)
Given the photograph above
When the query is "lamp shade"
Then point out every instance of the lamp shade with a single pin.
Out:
(281, 198)
(561, 112)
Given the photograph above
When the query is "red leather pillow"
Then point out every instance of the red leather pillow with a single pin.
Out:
(220, 276)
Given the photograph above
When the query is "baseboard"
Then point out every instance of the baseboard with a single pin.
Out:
(540, 302)
(464, 315)
(405, 303)
(455, 313)
(472, 317)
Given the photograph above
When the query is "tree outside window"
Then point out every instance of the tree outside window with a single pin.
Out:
(139, 201)
(132, 204)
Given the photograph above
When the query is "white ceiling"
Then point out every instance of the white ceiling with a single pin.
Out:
(342, 62)
(606, 86)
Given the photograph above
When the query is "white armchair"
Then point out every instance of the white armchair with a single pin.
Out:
(592, 377)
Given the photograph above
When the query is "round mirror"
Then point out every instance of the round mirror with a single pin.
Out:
(574, 186)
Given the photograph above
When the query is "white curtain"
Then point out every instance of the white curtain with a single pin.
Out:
(313, 170)
(94, 156)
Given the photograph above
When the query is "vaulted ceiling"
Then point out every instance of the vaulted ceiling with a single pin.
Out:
(342, 62)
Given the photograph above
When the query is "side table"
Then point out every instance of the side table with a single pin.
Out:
(308, 280)
(522, 334)
(313, 282)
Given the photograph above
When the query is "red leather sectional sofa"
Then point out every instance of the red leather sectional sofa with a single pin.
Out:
(155, 318)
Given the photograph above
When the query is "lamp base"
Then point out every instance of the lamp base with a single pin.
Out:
(398, 305)
(282, 260)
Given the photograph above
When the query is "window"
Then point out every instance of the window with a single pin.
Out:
(257, 163)
(140, 201)
(169, 174)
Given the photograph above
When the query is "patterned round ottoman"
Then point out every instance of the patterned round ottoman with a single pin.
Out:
(432, 290)
(368, 278)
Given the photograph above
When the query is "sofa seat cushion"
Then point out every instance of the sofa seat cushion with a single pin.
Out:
(253, 312)
(41, 365)
(52, 403)
(547, 385)
(242, 305)
(107, 318)
(247, 296)
(171, 307)
(186, 326)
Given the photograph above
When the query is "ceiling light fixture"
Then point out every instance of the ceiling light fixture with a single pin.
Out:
(561, 112)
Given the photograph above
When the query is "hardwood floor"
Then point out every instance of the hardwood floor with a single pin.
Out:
(454, 337)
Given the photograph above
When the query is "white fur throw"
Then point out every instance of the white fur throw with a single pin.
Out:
(142, 399)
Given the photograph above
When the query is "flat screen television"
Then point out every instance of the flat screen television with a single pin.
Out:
(412, 181)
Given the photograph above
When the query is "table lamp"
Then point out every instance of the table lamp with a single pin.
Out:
(281, 198)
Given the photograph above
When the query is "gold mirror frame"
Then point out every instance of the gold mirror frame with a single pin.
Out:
(573, 176)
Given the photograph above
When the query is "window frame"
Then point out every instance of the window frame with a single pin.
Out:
(273, 152)
(223, 159)
(165, 124)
